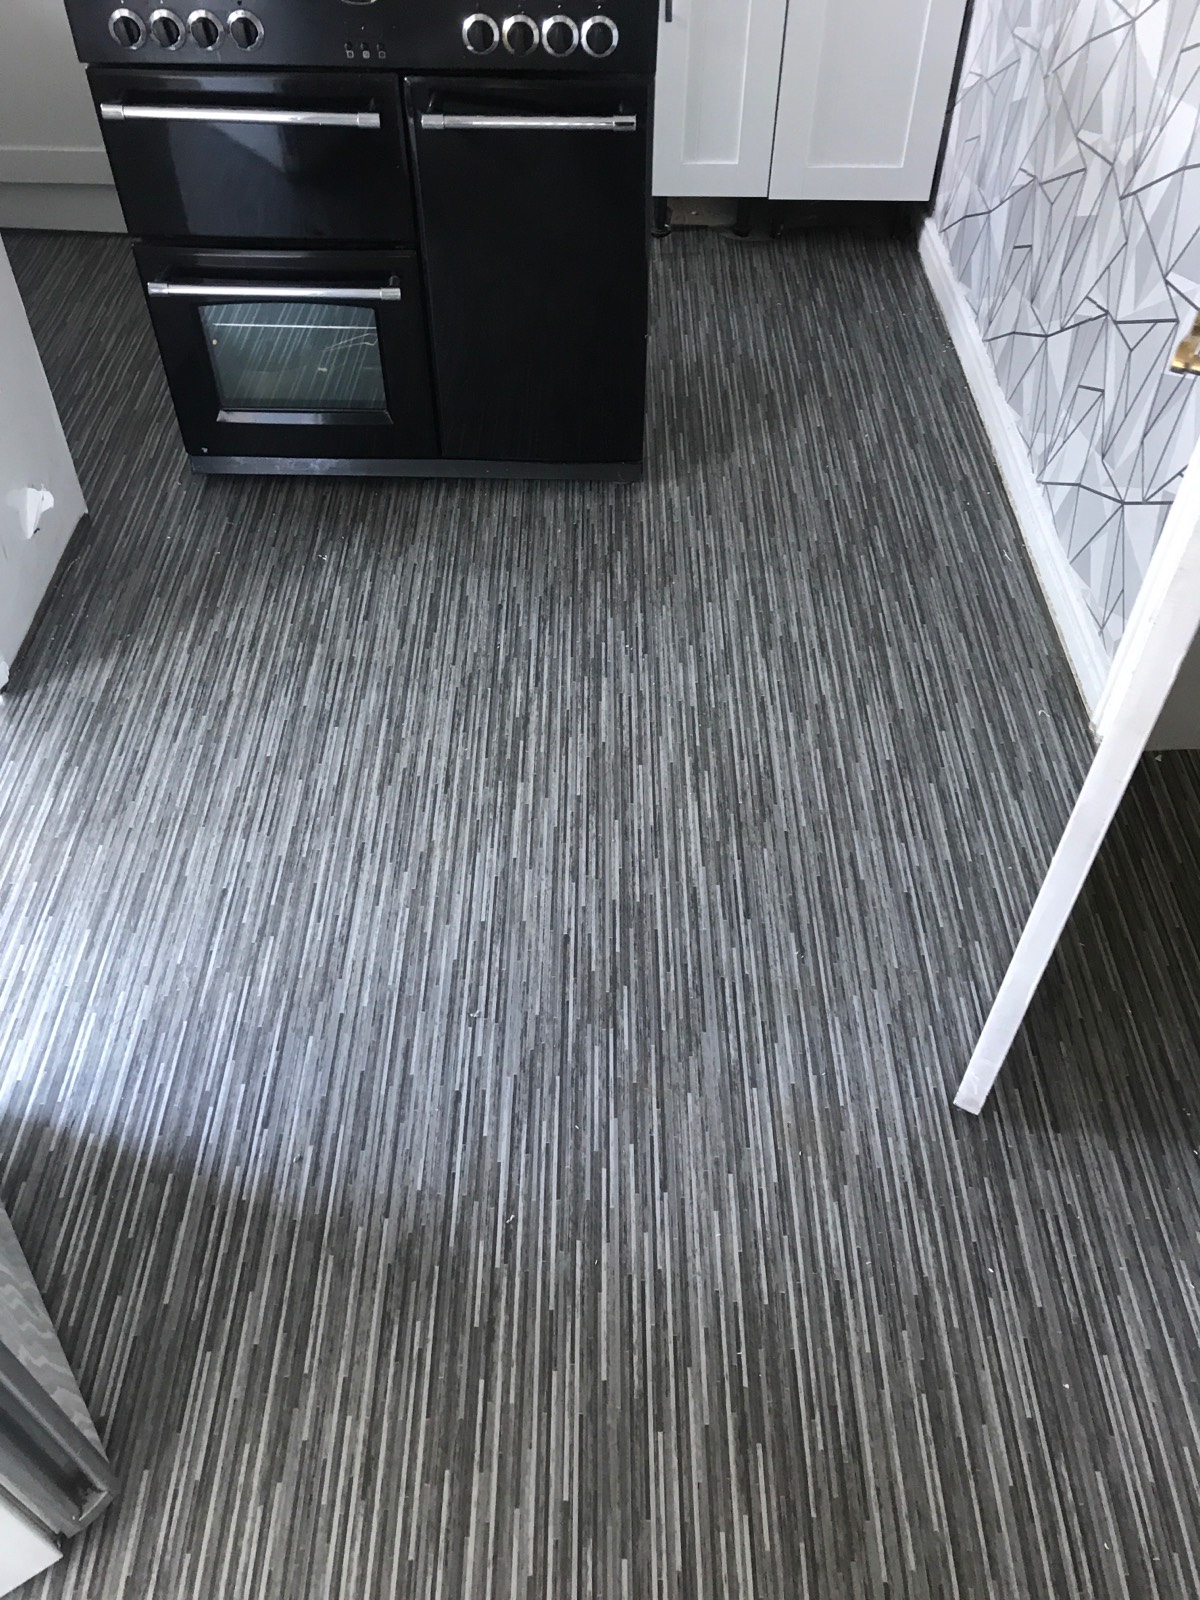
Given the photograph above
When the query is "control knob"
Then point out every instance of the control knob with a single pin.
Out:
(245, 29)
(520, 35)
(599, 37)
(166, 30)
(127, 29)
(206, 29)
(559, 36)
(480, 34)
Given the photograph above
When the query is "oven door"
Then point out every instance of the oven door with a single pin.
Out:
(270, 158)
(534, 216)
(293, 355)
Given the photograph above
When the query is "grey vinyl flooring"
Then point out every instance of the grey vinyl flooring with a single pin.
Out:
(483, 969)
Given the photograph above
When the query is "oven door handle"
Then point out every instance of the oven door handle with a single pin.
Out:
(114, 111)
(435, 122)
(270, 291)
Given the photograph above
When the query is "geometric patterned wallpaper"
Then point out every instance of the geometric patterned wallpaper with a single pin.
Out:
(1070, 207)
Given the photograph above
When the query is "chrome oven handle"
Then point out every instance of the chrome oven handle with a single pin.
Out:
(435, 122)
(271, 291)
(114, 111)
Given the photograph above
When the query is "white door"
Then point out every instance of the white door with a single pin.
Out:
(24, 1550)
(40, 497)
(863, 98)
(715, 96)
(1160, 642)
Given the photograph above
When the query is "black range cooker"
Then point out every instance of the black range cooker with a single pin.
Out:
(387, 236)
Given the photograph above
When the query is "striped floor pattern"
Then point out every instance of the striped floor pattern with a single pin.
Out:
(482, 972)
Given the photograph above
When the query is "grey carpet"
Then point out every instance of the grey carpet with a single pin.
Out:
(482, 973)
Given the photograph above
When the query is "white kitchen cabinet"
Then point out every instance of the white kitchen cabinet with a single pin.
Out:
(862, 98)
(24, 1549)
(40, 498)
(803, 99)
(718, 77)
(53, 170)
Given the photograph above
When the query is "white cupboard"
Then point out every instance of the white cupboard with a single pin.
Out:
(53, 170)
(803, 99)
(24, 1549)
(715, 95)
(40, 498)
(862, 98)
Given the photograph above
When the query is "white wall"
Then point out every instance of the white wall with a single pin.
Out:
(53, 170)
(1068, 206)
(33, 455)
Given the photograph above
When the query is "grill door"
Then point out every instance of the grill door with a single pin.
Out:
(253, 158)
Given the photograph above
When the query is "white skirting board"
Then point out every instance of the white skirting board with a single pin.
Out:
(1062, 588)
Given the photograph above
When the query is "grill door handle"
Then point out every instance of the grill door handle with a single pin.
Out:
(114, 111)
(435, 122)
(270, 291)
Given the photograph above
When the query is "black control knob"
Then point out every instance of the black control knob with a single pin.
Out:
(481, 34)
(520, 35)
(205, 29)
(599, 37)
(166, 30)
(127, 29)
(245, 29)
(559, 36)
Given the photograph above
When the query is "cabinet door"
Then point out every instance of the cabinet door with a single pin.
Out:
(40, 497)
(863, 98)
(718, 77)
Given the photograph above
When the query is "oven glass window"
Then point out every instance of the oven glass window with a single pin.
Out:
(294, 356)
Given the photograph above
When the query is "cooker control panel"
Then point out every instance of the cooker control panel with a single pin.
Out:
(558, 36)
(575, 36)
(206, 30)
